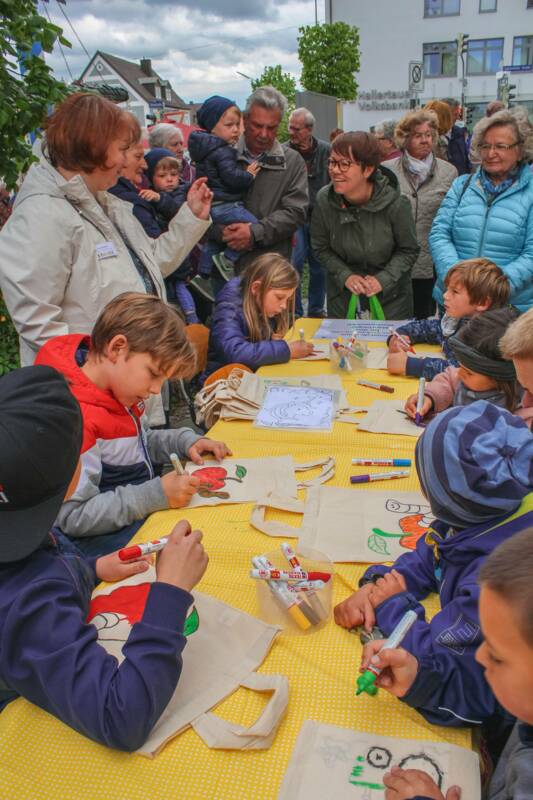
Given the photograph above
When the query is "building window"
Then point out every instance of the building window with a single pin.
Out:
(522, 50)
(484, 56)
(440, 59)
(487, 5)
(442, 8)
(529, 4)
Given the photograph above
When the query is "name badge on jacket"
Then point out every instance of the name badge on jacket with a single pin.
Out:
(105, 250)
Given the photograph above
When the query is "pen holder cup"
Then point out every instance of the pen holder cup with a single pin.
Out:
(315, 609)
(347, 360)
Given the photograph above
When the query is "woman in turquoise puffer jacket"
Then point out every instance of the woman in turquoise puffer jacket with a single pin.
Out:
(490, 213)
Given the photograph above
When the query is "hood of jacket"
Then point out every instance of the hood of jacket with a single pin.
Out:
(44, 179)
(469, 544)
(60, 353)
(201, 144)
(386, 191)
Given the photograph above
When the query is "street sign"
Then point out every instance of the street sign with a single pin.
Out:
(155, 103)
(416, 76)
(518, 68)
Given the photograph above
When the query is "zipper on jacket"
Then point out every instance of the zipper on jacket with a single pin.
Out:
(147, 458)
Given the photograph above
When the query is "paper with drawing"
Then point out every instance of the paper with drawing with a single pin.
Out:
(388, 416)
(296, 408)
(320, 353)
(377, 357)
(329, 761)
(366, 329)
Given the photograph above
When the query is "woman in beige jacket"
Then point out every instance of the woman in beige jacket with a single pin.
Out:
(424, 179)
(70, 247)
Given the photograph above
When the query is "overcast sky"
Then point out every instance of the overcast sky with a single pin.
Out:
(198, 45)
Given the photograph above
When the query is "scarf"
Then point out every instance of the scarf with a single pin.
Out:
(465, 397)
(497, 188)
(418, 168)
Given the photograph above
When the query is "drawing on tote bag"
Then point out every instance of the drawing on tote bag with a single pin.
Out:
(329, 761)
(413, 525)
(214, 478)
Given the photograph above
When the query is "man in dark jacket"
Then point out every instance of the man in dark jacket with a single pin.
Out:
(457, 149)
(279, 196)
(315, 154)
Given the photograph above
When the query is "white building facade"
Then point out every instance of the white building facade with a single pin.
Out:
(395, 32)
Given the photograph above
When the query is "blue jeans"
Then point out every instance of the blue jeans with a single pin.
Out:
(106, 543)
(223, 214)
(317, 274)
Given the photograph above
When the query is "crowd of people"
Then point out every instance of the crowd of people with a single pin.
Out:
(113, 259)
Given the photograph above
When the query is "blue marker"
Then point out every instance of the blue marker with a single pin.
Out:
(367, 681)
(382, 462)
(420, 400)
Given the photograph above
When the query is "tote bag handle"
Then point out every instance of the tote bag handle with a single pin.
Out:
(376, 311)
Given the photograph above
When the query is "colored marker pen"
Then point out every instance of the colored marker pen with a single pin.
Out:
(286, 575)
(305, 586)
(367, 681)
(290, 602)
(379, 386)
(382, 462)
(177, 464)
(380, 476)
(420, 400)
(302, 334)
(312, 584)
(402, 340)
(138, 550)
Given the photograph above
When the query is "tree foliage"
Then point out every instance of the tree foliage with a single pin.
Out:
(24, 99)
(330, 56)
(284, 83)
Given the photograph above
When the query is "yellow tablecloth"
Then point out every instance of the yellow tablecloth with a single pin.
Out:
(42, 758)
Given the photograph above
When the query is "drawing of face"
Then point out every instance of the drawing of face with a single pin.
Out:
(293, 411)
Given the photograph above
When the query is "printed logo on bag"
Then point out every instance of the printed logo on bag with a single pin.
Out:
(113, 614)
(462, 634)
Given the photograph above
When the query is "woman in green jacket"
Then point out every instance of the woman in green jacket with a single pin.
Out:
(362, 230)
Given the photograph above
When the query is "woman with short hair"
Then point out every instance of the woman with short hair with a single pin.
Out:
(170, 137)
(424, 180)
(490, 213)
(362, 230)
(70, 247)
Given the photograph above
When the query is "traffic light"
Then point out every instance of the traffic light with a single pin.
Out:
(462, 43)
(510, 94)
(469, 116)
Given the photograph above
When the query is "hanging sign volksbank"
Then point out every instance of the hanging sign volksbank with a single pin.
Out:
(387, 100)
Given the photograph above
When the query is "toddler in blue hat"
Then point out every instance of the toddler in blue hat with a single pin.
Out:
(213, 151)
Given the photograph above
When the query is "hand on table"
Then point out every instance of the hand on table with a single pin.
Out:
(204, 445)
(183, 560)
(390, 584)
(397, 346)
(356, 610)
(404, 784)
(399, 668)
(301, 349)
(110, 568)
(397, 362)
(410, 406)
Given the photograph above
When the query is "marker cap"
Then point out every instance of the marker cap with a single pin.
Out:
(367, 683)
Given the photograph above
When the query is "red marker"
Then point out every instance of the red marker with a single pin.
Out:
(138, 550)
(379, 386)
(293, 575)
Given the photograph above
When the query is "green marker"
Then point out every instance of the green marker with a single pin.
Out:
(367, 681)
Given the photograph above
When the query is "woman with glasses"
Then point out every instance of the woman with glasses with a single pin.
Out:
(490, 213)
(424, 180)
(362, 230)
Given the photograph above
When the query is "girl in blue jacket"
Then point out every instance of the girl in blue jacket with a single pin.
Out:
(252, 315)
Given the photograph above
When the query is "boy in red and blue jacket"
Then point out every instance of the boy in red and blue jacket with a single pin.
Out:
(475, 465)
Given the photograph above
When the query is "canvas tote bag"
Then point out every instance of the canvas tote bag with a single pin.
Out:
(224, 648)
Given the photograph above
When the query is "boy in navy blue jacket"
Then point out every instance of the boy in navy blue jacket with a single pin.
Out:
(475, 465)
(213, 151)
(472, 286)
(49, 654)
(506, 655)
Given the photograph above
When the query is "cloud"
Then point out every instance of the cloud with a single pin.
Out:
(197, 45)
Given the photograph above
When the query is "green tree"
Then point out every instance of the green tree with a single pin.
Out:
(329, 56)
(284, 83)
(24, 99)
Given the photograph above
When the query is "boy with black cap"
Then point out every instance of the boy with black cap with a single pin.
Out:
(475, 466)
(48, 653)
(213, 151)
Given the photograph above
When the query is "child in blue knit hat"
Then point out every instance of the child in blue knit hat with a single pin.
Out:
(213, 151)
(475, 465)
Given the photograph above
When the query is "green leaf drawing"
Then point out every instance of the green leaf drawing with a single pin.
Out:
(379, 532)
(191, 623)
(378, 544)
(240, 471)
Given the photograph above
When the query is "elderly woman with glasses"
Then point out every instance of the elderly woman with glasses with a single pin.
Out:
(424, 180)
(490, 213)
(362, 230)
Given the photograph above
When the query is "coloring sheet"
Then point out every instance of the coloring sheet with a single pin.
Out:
(297, 408)
(321, 353)
(242, 480)
(357, 525)
(332, 762)
(377, 357)
(388, 416)
(366, 329)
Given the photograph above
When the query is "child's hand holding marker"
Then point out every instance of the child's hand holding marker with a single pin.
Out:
(179, 486)
(399, 344)
(398, 667)
(299, 347)
(425, 409)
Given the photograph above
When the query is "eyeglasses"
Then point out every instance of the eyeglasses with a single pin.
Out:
(343, 165)
(500, 147)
